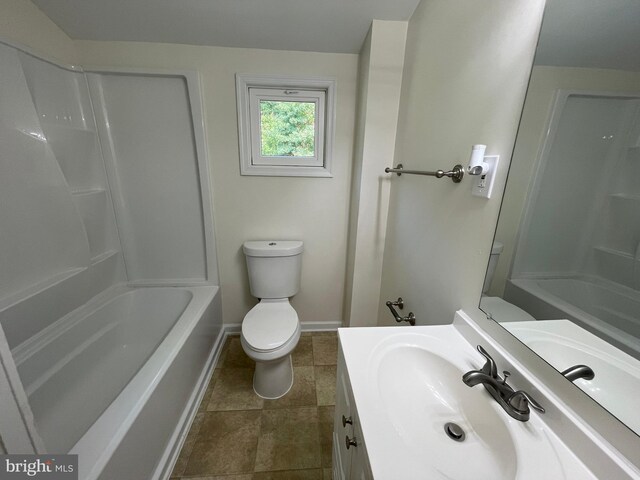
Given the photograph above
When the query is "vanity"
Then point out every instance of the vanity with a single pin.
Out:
(403, 412)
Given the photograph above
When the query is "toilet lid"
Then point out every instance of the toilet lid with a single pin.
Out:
(269, 325)
(503, 311)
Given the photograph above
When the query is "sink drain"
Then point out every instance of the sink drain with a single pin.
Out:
(454, 432)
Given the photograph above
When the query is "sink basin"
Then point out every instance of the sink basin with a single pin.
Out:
(421, 392)
(564, 344)
(407, 385)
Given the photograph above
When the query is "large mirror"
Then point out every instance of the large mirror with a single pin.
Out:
(564, 274)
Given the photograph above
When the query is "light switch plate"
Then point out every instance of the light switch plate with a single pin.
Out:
(482, 185)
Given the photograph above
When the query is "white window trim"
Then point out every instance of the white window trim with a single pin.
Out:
(317, 97)
(250, 167)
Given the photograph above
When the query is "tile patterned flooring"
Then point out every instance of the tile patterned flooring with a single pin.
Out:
(237, 435)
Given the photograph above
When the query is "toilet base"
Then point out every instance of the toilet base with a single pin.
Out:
(273, 379)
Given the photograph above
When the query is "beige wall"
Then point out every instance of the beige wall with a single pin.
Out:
(537, 109)
(314, 210)
(457, 90)
(379, 83)
(466, 72)
(21, 21)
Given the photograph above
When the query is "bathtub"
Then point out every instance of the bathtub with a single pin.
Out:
(606, 309)
(118, 380)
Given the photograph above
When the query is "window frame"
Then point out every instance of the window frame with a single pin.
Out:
(250, 89)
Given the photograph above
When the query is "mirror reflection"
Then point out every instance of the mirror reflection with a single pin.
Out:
(564, 273)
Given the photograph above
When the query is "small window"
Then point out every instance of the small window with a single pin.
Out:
(285, 125)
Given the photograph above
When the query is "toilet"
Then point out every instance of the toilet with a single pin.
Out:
(500, 310)
(271, 329)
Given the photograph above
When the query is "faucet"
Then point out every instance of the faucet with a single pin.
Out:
(411, 318)
(578, 371)
(515, 403)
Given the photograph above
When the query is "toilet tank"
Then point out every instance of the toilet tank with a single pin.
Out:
(496, 250)
(274, 267)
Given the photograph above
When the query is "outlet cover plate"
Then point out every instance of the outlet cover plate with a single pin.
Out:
(483, 184)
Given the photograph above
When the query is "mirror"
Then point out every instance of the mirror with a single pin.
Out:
(564, 273)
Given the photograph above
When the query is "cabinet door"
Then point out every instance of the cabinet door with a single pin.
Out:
(360, 469)
(342, 456)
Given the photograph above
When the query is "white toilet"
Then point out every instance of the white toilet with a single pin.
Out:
(500, 310)
(271, 330)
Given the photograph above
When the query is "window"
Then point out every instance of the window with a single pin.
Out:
(285, 125)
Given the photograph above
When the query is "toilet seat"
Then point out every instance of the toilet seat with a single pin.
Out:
(503, 311)
(270, 325)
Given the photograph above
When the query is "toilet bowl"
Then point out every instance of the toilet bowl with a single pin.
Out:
(270, 332)
(271, 329)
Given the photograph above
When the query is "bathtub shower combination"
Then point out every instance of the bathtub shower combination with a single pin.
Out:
(582, 261)
(109, 307)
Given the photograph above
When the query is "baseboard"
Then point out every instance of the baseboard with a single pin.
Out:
(236, 328)
(320, 326)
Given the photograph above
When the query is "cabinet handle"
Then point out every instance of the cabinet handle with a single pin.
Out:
(346, 420)
(350, 442)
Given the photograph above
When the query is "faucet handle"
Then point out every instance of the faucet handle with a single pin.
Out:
(520, 399)
(489, 367)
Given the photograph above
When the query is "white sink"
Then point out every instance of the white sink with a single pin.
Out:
(564, 344)
(421, 392)
(407, 386)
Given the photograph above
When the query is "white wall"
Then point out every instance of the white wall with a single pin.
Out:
(21, 21)
(466, 72)
(314, 210)
(544, 83)
(380, 78)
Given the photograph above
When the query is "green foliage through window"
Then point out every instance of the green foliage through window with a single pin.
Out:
(287, 128)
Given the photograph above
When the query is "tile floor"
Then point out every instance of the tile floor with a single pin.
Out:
(237, 435)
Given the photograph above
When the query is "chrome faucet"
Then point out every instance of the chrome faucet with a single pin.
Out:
(515, 403)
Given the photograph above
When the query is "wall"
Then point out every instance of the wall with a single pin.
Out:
(314, 210)
(466, 71)
(544, 82)
(379, 82)
(21, 21)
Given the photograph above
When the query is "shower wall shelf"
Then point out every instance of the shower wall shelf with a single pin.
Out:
(613, 251)
(635, 197)
(454, 174)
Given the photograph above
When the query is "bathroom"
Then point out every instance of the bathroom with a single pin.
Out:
(418, 85)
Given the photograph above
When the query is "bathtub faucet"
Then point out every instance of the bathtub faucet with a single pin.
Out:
(515, 403)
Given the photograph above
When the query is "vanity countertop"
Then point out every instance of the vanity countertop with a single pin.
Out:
(407, 385)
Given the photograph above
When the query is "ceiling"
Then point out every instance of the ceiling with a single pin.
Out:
(591, 33)
(338, 26)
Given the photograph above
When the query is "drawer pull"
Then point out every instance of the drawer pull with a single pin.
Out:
(350, 442)
(346, 420)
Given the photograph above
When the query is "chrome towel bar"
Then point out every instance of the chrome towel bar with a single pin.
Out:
(455, 174)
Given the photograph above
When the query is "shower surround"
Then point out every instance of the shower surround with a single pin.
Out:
(578, 251)
(109, 300)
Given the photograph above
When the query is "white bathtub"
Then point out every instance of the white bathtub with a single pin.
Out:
(124, 370)
(608, 310)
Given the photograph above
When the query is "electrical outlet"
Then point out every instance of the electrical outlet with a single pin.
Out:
(483, 184)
